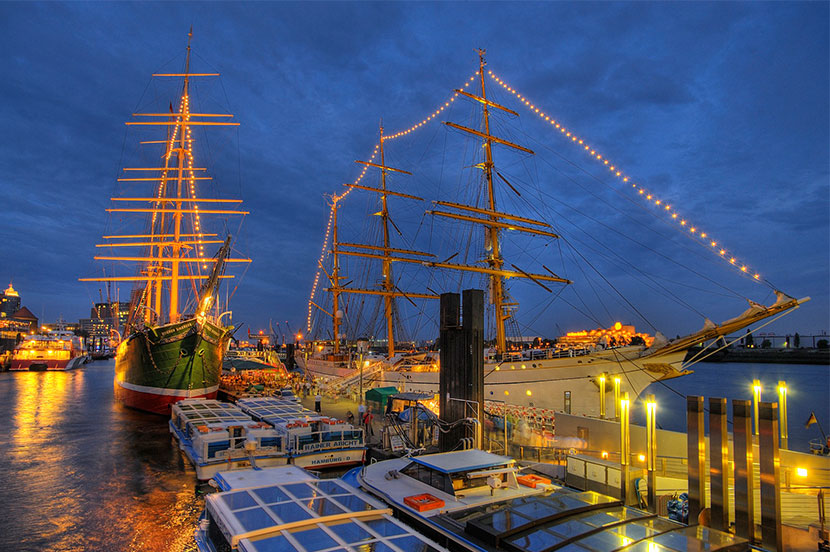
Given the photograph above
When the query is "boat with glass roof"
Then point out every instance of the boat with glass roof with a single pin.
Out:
(287, 509)
(475, 500)
(217, 436)
(311, 440)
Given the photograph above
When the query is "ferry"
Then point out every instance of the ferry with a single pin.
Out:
(58, 350)
(311, 440)
(479, 501)
(287, 509)
(217, 436)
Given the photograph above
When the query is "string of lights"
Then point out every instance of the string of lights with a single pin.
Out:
(336, 198)
(664, 208)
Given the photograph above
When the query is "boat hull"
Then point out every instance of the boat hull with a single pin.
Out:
(159, 366)
(322, 368)
(330, 458)
(43, 365)
(546, 383)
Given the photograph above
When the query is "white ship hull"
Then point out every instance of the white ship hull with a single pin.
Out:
(322, 368)
(330, 458)
(544, 383)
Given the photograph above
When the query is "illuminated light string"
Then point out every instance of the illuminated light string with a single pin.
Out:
(616, 171)
(431, 117)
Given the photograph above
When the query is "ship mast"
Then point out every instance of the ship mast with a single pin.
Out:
(335, 276)
(176, 246)
(493, 220)
(388, 284)
(494, 259)
(389, 291)
(170, 245)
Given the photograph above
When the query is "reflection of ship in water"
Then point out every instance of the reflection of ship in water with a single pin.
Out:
(175, 338)
(490, 234)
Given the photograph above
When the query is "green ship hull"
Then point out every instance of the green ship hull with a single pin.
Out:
(157, 367)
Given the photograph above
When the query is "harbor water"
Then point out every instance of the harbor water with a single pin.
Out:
(78, 471)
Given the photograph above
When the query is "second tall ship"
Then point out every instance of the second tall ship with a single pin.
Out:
(175, 339)
(482, 234)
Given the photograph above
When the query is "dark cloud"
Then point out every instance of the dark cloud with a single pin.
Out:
(720, 108)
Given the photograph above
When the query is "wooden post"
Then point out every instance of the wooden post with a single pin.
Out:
(744, 476)
(770, 463)
(696, 450)
(719, 463)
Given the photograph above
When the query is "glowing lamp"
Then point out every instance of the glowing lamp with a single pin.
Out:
(801, 472)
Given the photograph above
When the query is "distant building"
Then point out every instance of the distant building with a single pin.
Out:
(9, 302)
(95, 328)
(114, 313)
(11, 332)
(25, 315)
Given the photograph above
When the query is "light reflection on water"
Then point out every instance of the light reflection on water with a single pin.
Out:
(79, 471)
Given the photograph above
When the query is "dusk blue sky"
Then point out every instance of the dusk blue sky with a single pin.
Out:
(720, 108)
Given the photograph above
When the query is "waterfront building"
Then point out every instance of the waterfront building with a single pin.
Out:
(11, 333)
(11, 310)
(25, 315)
(95, 328)
(114, 313)
(9, 302)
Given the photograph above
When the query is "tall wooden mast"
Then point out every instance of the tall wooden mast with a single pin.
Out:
(386, 253)
(167, 244)
(493, 220)
(388, 283)
(494, 258)
(176, 246)
(335, 278)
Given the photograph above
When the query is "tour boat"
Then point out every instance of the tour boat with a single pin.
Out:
(216, 436)
(57, 350)
(490, 240)
(477, 501)
(175, 339)
(311, 440)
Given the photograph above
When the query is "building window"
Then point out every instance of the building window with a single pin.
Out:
(567, 402)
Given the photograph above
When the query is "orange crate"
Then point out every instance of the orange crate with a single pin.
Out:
(531, 480)
(423, 502)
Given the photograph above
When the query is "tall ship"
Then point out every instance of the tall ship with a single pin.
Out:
(177, 332)
(479, 241)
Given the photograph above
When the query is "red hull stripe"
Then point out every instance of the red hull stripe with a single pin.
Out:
(179, 393)
(151, 402)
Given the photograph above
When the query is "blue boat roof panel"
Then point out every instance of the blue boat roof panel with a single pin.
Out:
(318, 515)
(463, 460)
(240, 479)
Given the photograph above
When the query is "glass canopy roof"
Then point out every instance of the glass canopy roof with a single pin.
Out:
(580, 522)
(272, 410)
(311, 516)
(207, 411)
